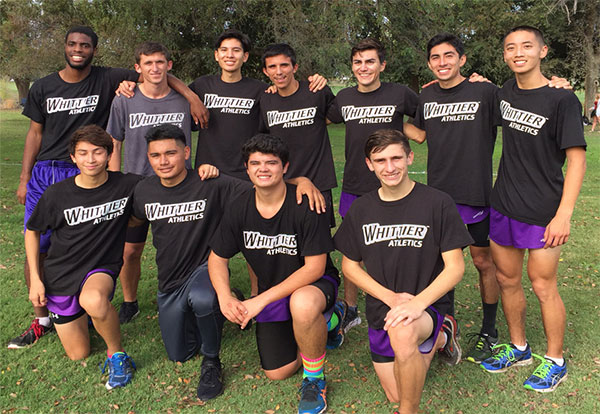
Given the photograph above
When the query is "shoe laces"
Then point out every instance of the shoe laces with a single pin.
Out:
(481, 340)
(309, 390)
(543, 368)
(210, 372)
(36, 327)
(118, 363)
(506, 352)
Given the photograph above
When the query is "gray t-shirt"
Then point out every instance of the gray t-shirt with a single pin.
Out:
(130, 120)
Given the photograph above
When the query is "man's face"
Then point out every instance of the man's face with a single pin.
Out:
(445, 63)
(167, 158)
(79, 51)
(523, 52)
(390, 165)
(280, 70)
(90, 159)
(265, 170)
(154, 68)
(367, 67)
(230, 55)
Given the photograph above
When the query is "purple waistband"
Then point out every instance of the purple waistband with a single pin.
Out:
(472, 214)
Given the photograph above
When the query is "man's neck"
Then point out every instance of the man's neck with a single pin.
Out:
(231, 77)
(89, 182)
(154, 91)
(172, 182)
(451, 83)
(370, 88)
(269, 200)
(290, 90)
(531, 80)
(397, 192)
(72, 75)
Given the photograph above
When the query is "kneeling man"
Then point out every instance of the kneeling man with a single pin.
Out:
(409, 237)
(286, 244)
(88, 216)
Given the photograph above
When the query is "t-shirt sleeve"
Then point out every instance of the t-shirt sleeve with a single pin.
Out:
(569, 125)
(196, 87)
(118, 75)
(263, 126)
(345, 240)
(496, 115)
(411, 102)
(34, 104)
(334, 114)
(454, 234)
(231, 188)
(44, 217)
(138, 205)
(224, 242)
(316, 234)
(117, 119)
(419, 120)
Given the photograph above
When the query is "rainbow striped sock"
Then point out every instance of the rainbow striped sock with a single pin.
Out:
(313, 368)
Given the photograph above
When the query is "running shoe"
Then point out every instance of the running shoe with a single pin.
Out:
(507, 357)
(451, 352)
(31, 335)
(120, 370)
(128, 311)
(313, 396)
(351, 319)
(211, 379)
(546, 377)
(335, 337)
(483, 347)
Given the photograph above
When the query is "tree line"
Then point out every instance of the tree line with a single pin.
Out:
(321, 31)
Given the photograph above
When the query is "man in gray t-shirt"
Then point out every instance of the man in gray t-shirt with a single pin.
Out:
(154, 103)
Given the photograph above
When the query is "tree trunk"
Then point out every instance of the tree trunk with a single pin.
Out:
(592, 57)
(22, 88)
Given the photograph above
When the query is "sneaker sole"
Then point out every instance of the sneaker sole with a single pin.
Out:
(475, 361)
(110, 387)
(546, 389)
(520, 363)
(354, 322)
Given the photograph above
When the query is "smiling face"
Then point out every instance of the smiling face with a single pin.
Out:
(79, 50)
(367, 68)
(445, 63)
(523, 52)
(280, 71)
(90, 159)
(265, 170)
(167, 158)
(390, 165)
(230, 55)
(154, 68)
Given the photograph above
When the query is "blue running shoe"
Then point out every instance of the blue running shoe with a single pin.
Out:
(120, 370)
(546, 377)
(335, 337)
(313, 396)
(508, 357)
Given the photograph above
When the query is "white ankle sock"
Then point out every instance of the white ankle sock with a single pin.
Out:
(557, 361)
(45, 321)
(521, 347)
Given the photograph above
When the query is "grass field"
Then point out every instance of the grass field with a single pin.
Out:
(43, 380)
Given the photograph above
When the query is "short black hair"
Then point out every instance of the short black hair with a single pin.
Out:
(451, 39)
(277, 49)
(86, 30)
(537, 32)
(267, 144)
(166, 131)
(383, 138)
(150, 48)
(234, 34)
(92, 134)
(369, 44)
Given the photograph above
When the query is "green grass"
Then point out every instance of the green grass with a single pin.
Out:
(43, 380)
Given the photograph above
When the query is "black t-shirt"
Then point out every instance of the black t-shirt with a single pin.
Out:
(62, 107)
(537, 126)
(183, 219)
(234, 118)
(401, 242)
(88, 228)
(275, 247)
(299, 119)
(363, 114)
(460, 123)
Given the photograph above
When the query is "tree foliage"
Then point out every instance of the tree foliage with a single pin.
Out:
(321, 31)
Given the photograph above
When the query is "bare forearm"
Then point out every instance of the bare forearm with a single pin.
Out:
(576, 166)
(32, 251)
(114, 164)
(454, 267)
(219, 274)
(413, 133)
(354, 272)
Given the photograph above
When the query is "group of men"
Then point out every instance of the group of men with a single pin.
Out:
(401, 241)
